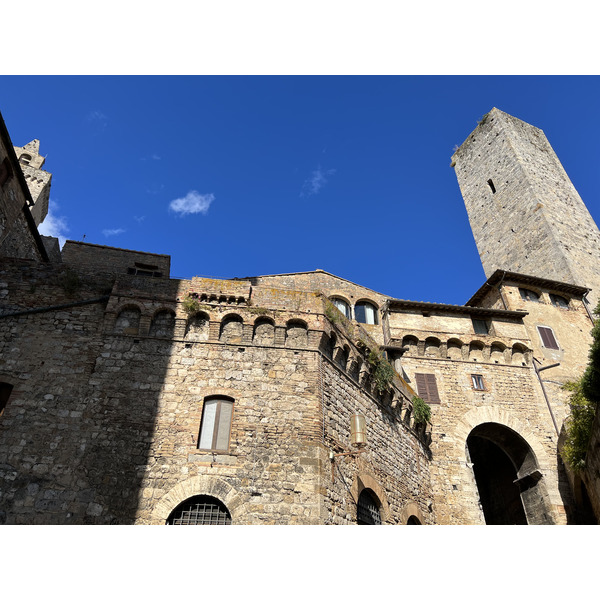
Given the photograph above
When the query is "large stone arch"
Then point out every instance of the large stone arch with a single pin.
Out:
(494, 421)
(208, 485)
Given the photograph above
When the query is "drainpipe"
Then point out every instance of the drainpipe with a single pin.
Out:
(585, 304)
(500, 290)
(537, 372)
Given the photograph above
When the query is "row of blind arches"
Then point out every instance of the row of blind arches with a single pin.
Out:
(197, 327)
(455, 349)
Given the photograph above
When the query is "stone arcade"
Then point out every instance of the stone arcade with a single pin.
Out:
(127, 396)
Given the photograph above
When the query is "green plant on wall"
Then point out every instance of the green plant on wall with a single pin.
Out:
(583, 402)
(70, 282)
(190, 305)
(421, 411)
(383, 372)
(578, 426)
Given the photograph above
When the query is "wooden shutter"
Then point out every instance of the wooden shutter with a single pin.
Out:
(548, 339)
(427, 387)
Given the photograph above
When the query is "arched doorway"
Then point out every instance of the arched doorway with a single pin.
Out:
(511, 490)
(367, 509)
(412, 520)
(200, 510)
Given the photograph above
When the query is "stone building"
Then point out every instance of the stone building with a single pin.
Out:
(128, 396)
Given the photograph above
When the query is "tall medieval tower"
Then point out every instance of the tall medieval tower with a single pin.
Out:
(38, 180)
(525, 214)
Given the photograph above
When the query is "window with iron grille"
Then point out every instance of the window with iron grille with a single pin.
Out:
(427, 388)
(200, 510)
(367, 510)
(215, 426)
(477, 381)
(548, 339)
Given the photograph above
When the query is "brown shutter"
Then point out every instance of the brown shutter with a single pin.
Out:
(427, 387)
(548, 339)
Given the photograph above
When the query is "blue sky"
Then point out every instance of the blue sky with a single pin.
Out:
(236, 176)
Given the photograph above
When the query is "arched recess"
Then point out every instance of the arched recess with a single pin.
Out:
(231, 329)
(197, 327)
(497, 352)
(508, 477)
(519, 355)
(201, 485)
(411, 343)
(432, 347)
(296, 334)
(454, 349)
(476, 351)
(128, 320)
(163, 323)
(494, 415)
(364, 481)
(264, 331)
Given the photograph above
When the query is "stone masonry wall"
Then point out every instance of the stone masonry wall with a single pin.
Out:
(102, 423)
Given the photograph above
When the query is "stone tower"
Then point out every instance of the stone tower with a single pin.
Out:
(38, 181)
(525, 214)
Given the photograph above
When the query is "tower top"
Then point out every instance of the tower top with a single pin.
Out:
(29, 155)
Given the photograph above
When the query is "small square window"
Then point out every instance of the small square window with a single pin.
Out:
(477, 381)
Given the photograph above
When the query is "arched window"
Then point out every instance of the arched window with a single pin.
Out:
(559, 301)
(342, 306)
(367, 511)
(200, 510)
(215, 427)
(365, 312)
(25, 159)
(529, 295)
(412, 520)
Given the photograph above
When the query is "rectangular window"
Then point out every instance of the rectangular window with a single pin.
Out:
(216, 424)
(548, 339)
(477, 381)
(427, 388)
(480, 326)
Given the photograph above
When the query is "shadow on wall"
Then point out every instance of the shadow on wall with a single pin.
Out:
(77, 430)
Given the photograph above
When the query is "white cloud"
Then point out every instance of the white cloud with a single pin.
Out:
(316, 181)
(109, 232)
(192, 204)
(55, 227)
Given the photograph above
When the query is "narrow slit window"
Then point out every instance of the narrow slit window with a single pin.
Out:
(492, 187)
